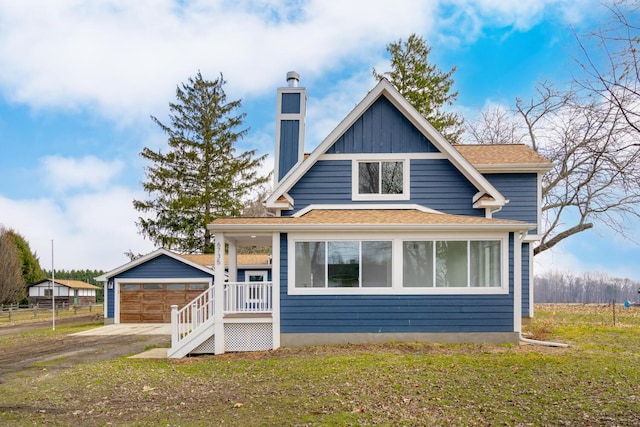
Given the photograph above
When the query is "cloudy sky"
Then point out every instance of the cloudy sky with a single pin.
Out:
(79, 81)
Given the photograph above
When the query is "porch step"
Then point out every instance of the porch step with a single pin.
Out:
(192, 341)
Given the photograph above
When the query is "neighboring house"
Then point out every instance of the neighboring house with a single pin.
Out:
(385, 232)
(143, 290)
(71, 292)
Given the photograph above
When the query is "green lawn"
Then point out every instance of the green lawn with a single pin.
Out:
(596, 381)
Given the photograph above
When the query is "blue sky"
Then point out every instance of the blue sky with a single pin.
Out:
(79, 80)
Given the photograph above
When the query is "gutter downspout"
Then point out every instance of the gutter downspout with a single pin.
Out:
(544, 343)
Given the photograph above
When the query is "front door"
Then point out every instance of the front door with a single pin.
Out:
(255, 298)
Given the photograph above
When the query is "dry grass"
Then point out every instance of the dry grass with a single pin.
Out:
(594, 382)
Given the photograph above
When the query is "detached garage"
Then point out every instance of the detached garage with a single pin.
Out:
(143, 290)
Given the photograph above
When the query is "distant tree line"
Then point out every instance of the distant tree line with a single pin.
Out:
(562, 287)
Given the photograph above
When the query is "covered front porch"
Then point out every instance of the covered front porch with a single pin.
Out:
(236, 315)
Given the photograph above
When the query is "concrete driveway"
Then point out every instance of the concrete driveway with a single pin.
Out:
(129, 329)
(122, 329)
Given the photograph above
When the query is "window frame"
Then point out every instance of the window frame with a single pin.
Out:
(327, 251)
(355, 177)
(468, 251)
(397, 285)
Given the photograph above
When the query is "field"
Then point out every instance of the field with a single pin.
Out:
(594, 382)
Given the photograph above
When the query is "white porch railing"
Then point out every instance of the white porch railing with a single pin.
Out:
(191, 316)
(248, 297)
(193, 323)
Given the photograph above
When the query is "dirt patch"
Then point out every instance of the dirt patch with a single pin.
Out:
(29, 353)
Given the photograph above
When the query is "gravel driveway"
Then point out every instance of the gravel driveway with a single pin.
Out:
(22, 352)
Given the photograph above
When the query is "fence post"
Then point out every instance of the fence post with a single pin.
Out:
(75, 310)
(35, 311)
(90, 307)
(10, 314)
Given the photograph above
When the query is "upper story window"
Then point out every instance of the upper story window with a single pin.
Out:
(380, 180)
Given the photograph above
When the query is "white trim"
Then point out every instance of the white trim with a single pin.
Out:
(123, 281)
(531, 279)
(147, 257)
(355, 179)
(247, 274)
(275, 294)
(228, 320)
(368, 206)
(397, 240)
(218, 311)
(385, 88)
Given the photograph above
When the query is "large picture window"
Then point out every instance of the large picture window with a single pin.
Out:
(402, 263)
(451, 264)
(343, 264)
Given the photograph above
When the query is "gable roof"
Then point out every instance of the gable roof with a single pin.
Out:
(203, 262)
(504, 158)
(386, 89)
(73, 284)
(150, 256)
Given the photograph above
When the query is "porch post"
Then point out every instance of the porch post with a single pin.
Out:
(531, 279)
(275, 289)
(218, 292)
(175, 325)
(233, 262)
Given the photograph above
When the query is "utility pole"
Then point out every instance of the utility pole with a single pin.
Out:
(53, 290)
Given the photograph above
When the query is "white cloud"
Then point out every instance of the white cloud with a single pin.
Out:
(325, 112)
(64, 173)
(124, 59)
(466, 20)
(89, 231)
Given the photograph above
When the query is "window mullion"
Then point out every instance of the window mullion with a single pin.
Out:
(326, 264)
(360, 264)
(380, 177)
(468, 263)
(433, 263)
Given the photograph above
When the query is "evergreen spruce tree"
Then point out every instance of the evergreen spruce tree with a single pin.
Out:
(426, 87)
(201, 176)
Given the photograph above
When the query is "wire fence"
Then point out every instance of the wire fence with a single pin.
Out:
(13, 313)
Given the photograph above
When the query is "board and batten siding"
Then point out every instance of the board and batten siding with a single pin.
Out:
(289, 143)
(393, 313)
(434, 183)
(162, 267)
(382, 129)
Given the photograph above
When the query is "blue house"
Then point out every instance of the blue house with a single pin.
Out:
(385, 232)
